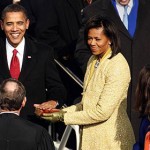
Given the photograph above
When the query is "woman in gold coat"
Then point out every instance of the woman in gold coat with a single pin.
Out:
(102, 110)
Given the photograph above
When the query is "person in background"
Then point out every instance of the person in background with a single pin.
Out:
(134, 47)
(30, 62)
(102, 111)
(147, 141)
(143, 105)
(15, 132)
(87, 2)
(57, 23)
(59, 30)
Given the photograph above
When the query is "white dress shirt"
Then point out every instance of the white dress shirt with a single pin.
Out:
(19, 48)
(9, 112)
(120, 8)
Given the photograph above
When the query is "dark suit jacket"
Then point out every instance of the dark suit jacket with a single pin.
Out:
(55, 22)
(38, 74)
(19, 134)
(136, 49)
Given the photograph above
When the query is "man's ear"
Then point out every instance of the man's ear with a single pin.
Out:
(24, 102)
(1, 24)
(27, 23)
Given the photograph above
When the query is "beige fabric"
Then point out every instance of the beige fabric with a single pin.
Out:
(105, 122)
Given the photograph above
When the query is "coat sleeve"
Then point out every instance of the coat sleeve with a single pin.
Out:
(54, 85)
(73, 108)
(45, 142)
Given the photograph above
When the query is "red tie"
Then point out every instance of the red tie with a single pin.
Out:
(15, 66)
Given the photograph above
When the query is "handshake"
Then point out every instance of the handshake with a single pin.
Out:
(53, 115)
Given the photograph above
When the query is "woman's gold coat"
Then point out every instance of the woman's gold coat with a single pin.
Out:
(102, 111)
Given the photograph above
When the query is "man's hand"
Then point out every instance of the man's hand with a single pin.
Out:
(47, 105)
(39, 112)
(54, 117)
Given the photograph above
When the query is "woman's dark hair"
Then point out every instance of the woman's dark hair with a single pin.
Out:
(142, 94)
(109, 29)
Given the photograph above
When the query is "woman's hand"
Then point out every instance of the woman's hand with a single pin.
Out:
(54, 117)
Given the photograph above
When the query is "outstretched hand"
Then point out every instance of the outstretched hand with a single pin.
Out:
(47, 105)
(54, 117)
(40, 112)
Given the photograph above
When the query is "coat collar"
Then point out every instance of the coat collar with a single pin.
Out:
(117, 20)
(87, 75)
(142, 11)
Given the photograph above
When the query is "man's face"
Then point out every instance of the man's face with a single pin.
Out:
(14, 26)
(123, 2)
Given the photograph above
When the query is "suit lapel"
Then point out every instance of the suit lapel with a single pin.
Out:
(29, 60)
(117, 20)
(142, 13)
(3, 60)
(88, 76)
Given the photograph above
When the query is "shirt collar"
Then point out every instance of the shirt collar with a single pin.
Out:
(130, 4)
(19, 48)
(9, 112)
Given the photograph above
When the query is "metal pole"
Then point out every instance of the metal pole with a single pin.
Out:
(70, 73)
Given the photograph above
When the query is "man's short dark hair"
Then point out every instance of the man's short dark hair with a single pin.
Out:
(13, 8)
(11, 98)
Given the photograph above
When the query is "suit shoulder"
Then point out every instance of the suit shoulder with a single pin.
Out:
(36, 130)
(97, 5)
(42, 45)
(38, 46)
(32, 125)
(119, 57)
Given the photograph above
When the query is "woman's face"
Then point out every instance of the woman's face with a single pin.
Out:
(98, 42)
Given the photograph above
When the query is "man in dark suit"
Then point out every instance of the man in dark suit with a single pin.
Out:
(57, 23)
(38, 72)
(60, 27)
(15, 132)
(135, 42)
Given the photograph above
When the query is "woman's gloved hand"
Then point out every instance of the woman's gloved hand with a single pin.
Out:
(54, 117)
